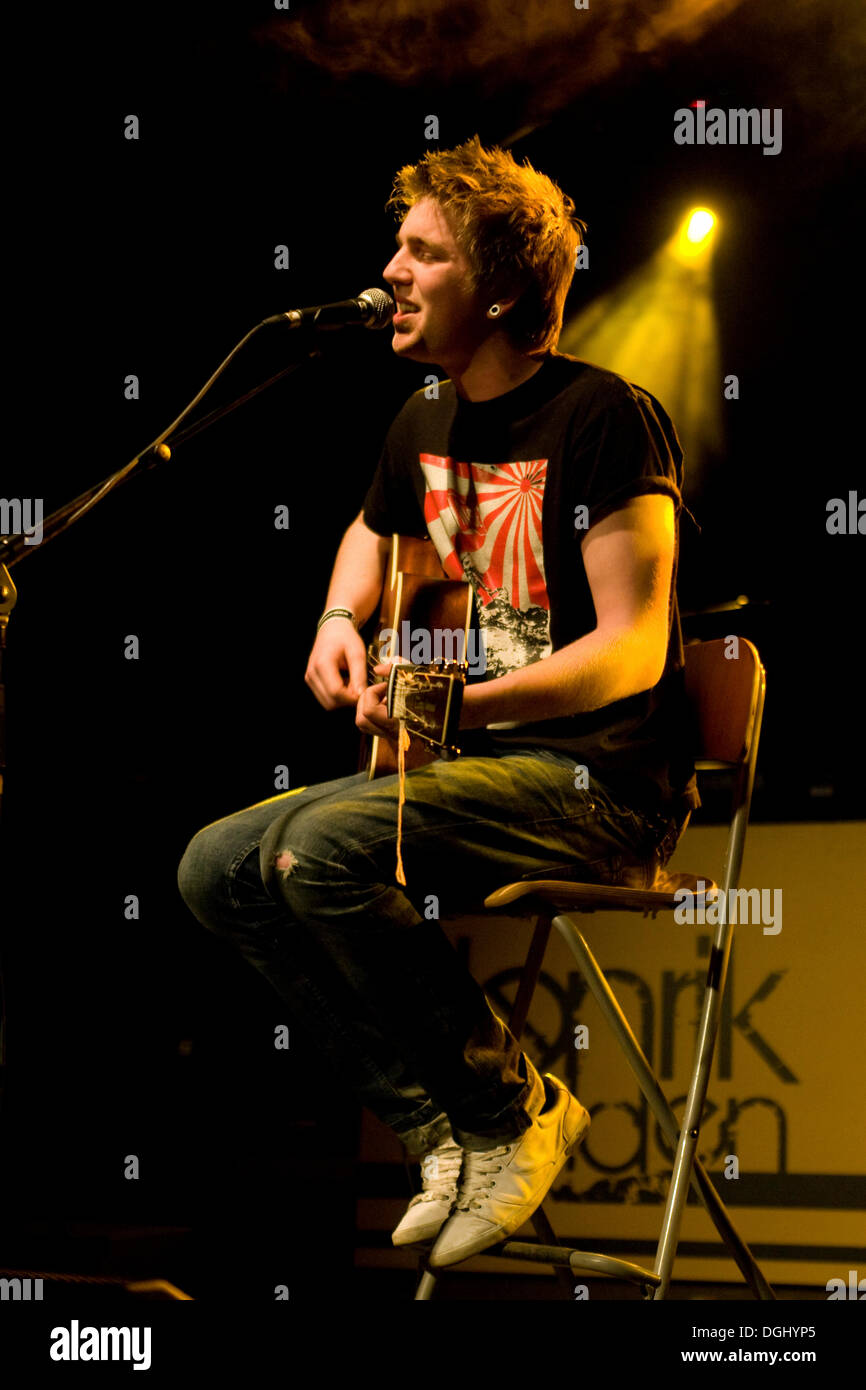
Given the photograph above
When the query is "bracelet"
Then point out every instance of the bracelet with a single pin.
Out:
(338, 613)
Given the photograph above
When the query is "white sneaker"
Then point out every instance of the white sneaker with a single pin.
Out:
(501, 1187)
(427, 1212)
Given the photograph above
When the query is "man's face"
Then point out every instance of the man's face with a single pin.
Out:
(439, 317)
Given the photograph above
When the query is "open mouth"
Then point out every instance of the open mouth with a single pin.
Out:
(405, 308)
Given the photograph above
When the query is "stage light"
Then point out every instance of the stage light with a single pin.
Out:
(700, 225)
(658, 328)
(696, 235)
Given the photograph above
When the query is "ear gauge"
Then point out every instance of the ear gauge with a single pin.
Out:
(494, 311)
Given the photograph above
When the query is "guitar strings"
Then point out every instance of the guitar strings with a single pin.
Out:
(402, 745)
(403, 742)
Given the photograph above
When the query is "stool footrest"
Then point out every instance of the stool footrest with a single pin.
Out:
(564, 894)
(575, 1259)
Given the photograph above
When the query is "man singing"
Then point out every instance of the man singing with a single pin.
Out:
(554, 486)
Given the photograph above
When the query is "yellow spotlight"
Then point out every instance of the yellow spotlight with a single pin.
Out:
(700, 223)
(695, 233)
(658, 328)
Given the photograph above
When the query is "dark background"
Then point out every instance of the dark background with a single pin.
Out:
(154, 257)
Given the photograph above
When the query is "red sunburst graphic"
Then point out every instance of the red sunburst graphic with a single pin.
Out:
(506, 546)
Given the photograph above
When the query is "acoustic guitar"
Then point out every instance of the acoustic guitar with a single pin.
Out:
(422, 612)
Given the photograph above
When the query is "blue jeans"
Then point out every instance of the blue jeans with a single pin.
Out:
(304, 885)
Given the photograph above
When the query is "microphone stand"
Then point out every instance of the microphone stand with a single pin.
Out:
(14, 548)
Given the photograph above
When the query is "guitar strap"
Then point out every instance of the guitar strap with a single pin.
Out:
(402, 745)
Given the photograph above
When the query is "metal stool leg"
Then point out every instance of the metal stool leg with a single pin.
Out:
(529, 975)
(426, 1287)
(687, 1165)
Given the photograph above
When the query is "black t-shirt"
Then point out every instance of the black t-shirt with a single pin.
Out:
(506, 489)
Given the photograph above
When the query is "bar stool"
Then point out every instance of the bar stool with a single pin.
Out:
(726, 695)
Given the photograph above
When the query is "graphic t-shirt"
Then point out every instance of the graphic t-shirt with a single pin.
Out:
(507, 489)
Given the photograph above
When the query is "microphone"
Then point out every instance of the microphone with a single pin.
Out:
(372, 309)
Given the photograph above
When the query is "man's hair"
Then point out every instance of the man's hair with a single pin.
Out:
(515, 227)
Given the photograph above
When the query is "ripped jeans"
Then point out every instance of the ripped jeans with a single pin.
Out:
(304, 885)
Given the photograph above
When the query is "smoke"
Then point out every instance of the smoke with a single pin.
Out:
(545, 53)
(548, 43)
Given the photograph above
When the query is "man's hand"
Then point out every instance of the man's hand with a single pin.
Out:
(337, 675)
(372, 713)
(337, 669)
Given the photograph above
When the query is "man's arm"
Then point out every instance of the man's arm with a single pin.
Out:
(628, 558)
(356, 581)
(337, 669)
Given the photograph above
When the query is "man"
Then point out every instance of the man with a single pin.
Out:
(554, 487)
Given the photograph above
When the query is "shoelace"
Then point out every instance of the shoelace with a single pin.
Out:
(478, 1171)
(402, 745)
(440, 1170)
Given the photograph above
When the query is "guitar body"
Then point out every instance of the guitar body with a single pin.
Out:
(417, 592)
